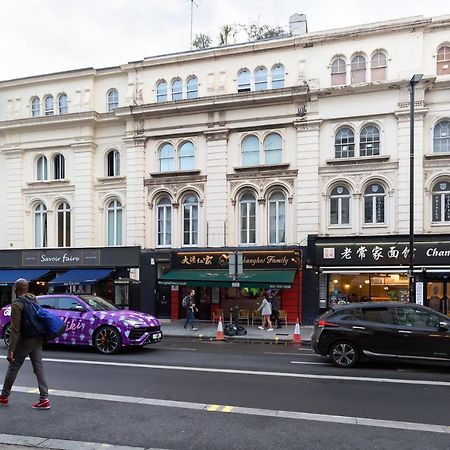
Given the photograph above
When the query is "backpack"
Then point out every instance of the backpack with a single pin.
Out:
(185, 301)
(37, 321)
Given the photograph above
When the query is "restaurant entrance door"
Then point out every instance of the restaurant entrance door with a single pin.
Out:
(438, 294)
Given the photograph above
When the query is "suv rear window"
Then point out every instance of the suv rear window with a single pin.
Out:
(379, 315)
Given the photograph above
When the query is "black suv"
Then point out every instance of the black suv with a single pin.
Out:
(349, 333)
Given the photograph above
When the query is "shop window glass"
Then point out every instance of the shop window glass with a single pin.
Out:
(64, 225)
(369, 141)
(344, 143)
(277, 218)
(186, 156)
(190, 220)
(247, 209)
(250, 151)
(40, 226)
(114, 223)
(164, 222)
(338, 72)
(441, 202)
(273, 149)
(358, 69)
(374, 204)
(378, 67)
(167, 158)
(441, 137)
(260, 79)
(340, 206)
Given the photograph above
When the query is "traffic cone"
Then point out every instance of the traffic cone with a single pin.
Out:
(219, 332)
(297, 333)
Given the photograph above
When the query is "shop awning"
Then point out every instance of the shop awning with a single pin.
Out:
(81, 276)
(221, 278)
(9, 276)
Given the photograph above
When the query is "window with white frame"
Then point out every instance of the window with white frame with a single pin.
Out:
(277, 218)
(358, 69)
(441, 137)
(112, 99)
(167, 158)
(378, 66)
(244, 81)
(190, 220)
(64, 225)
(344, 143)
(247, 218)
(186, 156)
(340, 206)
(369, 141)
(273, 149)
(164, 222)
(443, 60)
(49, 106)
(338, 72)
(59, 169)
(35, 107)
(441, 202)
(114, 223)
(63, 104)
(113, 163)
(192, 87)
(260, 79)
(41, 168)
(278, 75)
(177, 89)
(161, 91)
(40, 226)
(250, 150)
(374, 204)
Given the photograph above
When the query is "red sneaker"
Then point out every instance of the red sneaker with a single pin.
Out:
(3, 400)
(41, 404)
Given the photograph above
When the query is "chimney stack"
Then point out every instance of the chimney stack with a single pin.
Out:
(298, 24)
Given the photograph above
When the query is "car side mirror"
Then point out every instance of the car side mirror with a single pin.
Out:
(443, 325)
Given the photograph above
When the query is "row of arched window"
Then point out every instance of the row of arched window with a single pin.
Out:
(260, 79)
(48, 105)
(176, 90)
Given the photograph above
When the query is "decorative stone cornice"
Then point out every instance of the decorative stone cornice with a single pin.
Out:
(307, 125)
(12, 152)
(374, 167)
(255, 174)
(358, 160)
(219, 134)
(175, 178)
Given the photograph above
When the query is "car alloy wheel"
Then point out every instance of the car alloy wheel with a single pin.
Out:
(7, 335)
(107, 340)
(344, 354)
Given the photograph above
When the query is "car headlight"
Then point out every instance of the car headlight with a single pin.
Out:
(131, 323)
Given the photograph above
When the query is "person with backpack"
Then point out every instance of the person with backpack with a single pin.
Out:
(188, 302)
(24, 342)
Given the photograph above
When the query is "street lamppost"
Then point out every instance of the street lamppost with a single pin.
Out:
(412, 86)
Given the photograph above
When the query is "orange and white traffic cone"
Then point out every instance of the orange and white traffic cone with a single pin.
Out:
(297, 333)
(219, 332)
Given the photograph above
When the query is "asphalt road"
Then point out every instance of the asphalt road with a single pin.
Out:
(181, 394)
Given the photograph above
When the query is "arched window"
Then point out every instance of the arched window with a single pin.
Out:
(59, 169)
(161, 91)
(358, 69)
(49, 107)
(273, 149)
(190, 220)
(192, 88)
(374, 204)
(41, 169)
(344, 143)
(441, 202)
(40, 226)
(338, 72)
(64, 228)
(63, 104)
(277, 218)
(164, 226)
(113, 163)
(443, 60)
(278, 75)
(186, 156)
(35, 107)
(250, 151)
(166, 158)
(112, 99)
(177, 89)
(114, 223)
(243, 81)
(441, 137)
(340, 206)
(369, 141)
(378, 67)
(247, 219)
(260, 79)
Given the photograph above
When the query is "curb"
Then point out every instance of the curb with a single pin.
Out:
(239, 339)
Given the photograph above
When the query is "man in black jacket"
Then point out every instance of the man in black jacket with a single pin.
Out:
(21, 346)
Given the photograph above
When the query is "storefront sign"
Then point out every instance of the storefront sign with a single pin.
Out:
(419, 293)
(61, 258)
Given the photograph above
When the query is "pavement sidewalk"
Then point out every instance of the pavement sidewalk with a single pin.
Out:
(207, 331)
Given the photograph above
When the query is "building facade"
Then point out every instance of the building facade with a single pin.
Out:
(250, 147)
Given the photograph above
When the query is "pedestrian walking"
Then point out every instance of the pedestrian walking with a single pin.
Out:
(21, 346)
(191, 309)
(266, 312)
(275, 302)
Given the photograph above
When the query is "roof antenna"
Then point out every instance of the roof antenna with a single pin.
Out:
(192, 14)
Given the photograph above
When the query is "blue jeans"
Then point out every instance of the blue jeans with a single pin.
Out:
(189, 318)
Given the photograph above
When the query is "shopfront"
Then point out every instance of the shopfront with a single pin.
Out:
(355, 269)
(207, 272)
(111, 273)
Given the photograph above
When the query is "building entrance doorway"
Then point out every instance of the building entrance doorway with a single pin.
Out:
(438, 294)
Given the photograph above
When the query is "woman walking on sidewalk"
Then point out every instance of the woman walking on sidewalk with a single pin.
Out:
(266, 312)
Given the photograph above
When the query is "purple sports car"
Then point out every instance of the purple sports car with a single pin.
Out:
(91, 320)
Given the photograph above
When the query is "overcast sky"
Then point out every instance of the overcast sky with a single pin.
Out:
(42, 36)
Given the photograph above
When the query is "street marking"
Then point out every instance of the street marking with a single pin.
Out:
(360, 421)
(292, 354)
(176, 348)
(253, 372)
(310, 362)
